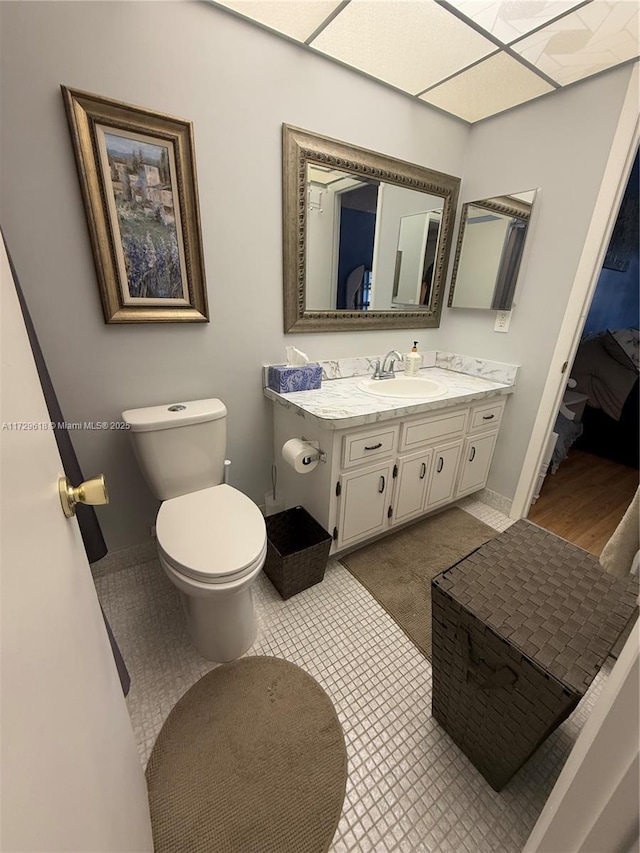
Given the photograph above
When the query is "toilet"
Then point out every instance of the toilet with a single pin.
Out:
(212, 539)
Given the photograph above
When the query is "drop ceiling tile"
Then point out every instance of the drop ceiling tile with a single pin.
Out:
(410, 44)
(508, 20)
(595, 37)
(291, 17)
(495, 84)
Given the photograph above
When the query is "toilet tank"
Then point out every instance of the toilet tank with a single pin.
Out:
(180, 447)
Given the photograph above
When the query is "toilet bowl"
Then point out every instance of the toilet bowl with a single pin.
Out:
(212, 539)
(212, 545)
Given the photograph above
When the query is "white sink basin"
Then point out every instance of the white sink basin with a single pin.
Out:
(410, 387)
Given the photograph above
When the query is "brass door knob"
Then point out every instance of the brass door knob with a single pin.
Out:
(93, 491)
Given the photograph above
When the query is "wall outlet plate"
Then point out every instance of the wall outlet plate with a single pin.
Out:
(503, 318)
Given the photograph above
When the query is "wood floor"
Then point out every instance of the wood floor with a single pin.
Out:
(585, 500)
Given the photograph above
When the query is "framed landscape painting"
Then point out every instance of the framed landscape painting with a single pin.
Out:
(138, 180)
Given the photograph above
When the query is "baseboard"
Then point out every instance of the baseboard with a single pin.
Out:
(124, 558)
(495, 500)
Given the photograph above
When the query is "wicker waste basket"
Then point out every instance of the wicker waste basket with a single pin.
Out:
(297, 551)
(520, 629)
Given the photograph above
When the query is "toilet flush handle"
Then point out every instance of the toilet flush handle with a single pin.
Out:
(93, 491)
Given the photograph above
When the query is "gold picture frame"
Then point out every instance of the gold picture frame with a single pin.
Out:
(138, 180)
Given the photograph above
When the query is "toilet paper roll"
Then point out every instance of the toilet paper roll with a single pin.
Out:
(298, 454)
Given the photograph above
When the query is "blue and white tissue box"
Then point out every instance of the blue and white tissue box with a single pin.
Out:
(284, 378)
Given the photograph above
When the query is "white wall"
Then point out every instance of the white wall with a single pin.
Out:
(237, 84)
(560, 144)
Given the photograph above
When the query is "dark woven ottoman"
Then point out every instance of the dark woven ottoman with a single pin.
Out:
(520, 629)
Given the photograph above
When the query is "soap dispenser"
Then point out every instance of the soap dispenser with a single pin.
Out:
(413, 361)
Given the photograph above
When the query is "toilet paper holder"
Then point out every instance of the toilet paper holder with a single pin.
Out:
(318, 456)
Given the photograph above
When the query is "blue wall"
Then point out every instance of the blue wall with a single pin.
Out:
(616, 301)
(356, 246)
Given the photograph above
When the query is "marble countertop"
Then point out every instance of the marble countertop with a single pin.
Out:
(340, 403)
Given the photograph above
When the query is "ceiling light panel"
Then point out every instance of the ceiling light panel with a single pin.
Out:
(591, 39)
(508, 20)
(291, 17)
(493, 85)
(411, 44)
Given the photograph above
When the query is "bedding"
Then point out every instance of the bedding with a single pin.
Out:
(627, 341)
(605, 372)
(568, 432)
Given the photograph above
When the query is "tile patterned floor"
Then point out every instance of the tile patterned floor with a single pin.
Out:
(409, 788)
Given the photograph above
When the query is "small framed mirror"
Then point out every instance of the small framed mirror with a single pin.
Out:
(493, 233)
(366, 237)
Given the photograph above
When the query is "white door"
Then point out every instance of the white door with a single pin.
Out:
(411, 486)
(594, 803)
(71, 775)
(412, 241)
(363, 503)
(443, 473)
(476, 461)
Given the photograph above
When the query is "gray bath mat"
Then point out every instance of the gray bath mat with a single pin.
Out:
(398, 570)
(252, 758)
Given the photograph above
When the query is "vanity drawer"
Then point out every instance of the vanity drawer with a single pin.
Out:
(486, 415)
(360, 447)
(434, 428)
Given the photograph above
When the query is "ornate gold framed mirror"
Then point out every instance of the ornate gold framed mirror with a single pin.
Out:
(367, 237)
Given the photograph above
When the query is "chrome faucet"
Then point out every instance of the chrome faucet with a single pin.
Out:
(386, 371)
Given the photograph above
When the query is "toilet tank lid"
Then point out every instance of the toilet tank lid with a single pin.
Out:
(174, 415)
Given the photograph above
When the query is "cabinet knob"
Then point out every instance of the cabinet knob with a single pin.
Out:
(440, 464)
(382, 484)
(472, 455)
(423, 470)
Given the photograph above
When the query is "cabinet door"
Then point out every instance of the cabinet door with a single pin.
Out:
(478, 452)
(443, 474)
(411, 486)
(364, 503)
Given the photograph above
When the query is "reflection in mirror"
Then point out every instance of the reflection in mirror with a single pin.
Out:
(366, 237)
(370, 244)
(341, 222)
(415, 257)
(491, 242)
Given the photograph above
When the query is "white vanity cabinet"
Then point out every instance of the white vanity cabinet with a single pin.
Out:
(383, 475)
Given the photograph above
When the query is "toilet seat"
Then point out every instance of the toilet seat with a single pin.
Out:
(214, 536)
